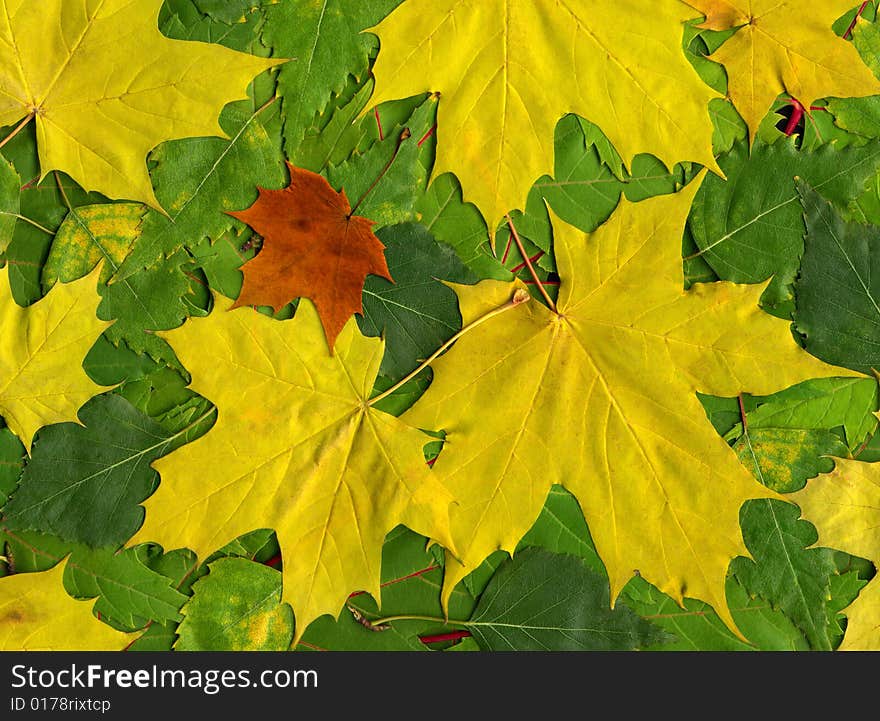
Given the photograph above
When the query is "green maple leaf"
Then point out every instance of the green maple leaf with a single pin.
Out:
(132, 587)
(196, 180)
(160, 297)
(392, 173)
(326, 39)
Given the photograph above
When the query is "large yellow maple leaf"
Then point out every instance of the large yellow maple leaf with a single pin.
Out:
(785, 46)
(844, 505)
(600, 397)
(105, 87)
(508, 70)
(41, 351)
(297, 448)
(37, 615)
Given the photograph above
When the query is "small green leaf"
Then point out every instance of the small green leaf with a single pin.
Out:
(460, 225)
(84, 482)
(236, 607)
(783, 459)
(416, 313)
(785, 571)
(760, 232)
(545, 601)
(327, 42)
(840, 262)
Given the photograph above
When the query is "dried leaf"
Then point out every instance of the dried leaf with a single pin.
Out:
(313, 247)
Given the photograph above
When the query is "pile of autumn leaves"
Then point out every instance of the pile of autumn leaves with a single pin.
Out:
(315, 336)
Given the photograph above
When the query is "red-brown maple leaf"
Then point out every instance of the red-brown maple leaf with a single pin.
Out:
(313, 247)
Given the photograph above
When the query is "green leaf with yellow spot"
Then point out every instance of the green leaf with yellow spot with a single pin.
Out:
(89, 235)
(784, 458)
(236, 607)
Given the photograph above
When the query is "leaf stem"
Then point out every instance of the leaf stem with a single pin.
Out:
(265, 105)
(17, 129)
(745, 424)
(406, 617)
(61, 190)
(24, 218)
(742, 413)
(520, 296)
(405, 135)
(441, 637)
(528, 262)
(797, 114)
(855, 20)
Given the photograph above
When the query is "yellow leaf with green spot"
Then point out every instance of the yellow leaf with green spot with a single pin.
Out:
(89, 235)
(236, 607)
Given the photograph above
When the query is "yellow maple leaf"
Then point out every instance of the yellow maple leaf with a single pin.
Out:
(507, 71)
(297, 448)
(41, 350)
(785, 47)
(36, 614)
(600, 397)
(105, 87)
(844, 505)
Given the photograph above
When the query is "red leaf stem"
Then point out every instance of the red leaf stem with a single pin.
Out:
(797, 114)
(379, 123)
(536, 257)
(852, 25)
(450, 636)
(428, 135)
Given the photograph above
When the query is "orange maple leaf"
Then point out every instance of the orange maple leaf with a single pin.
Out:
(313, 247)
